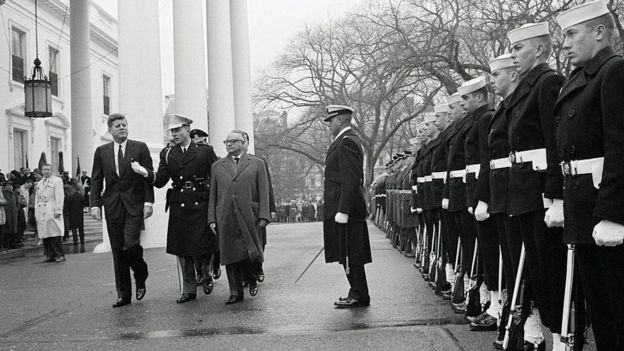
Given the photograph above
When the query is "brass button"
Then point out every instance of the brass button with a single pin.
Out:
(182, 205)
(571, 113)
(181, 177)
(196, 203)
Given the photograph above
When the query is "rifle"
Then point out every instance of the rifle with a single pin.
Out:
(514, 331)
(432, 257)
(568, 320)
(440, 281)
(473, 303)
(458, 292)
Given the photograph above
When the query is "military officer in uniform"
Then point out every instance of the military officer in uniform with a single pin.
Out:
(345, 230)
(590, 140)
(536, 183)
(188, 165)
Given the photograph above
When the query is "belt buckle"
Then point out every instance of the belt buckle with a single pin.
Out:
(492, 164)
(568, 168)
(512, 157)
(188, 184)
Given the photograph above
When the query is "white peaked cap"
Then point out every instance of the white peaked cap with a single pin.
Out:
(453, 99)
(441, 108)
(582, 13)
(471, 86)
(502, 61)
(413, 141)
(430, 117)
(528, 31)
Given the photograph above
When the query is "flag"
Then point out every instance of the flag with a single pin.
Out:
(61, 167)
(78, 168)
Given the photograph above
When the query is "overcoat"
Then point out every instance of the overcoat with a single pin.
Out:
(498, 145)
(590, 115)
(48, 201)
(344, 192)
(239, 198)
(438, 165)
(476, 149)
(455, 188)
(188, 233)
(532, 126)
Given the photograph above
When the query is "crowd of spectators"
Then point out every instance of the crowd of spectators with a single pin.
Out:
(299, 211)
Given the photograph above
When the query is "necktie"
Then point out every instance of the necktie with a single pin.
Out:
(119, 159)
(183, 150)
(236, 159)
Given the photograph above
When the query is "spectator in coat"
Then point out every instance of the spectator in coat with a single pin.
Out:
(49, 212)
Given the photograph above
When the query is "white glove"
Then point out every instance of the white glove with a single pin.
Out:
(554, 214)
(341, 218)
(470, 210)
(137, 168)
(412, 210)
(419, 210)
(445, 203)
(95, 213)
(607, 233)
(481, 212)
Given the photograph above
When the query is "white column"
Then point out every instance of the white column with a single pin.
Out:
(241, 68)
(189, 59)
(221, 90)
(140, 98)
(81, 111)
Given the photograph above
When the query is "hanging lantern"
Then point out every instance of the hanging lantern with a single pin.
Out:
(38, 93)
(37, 89)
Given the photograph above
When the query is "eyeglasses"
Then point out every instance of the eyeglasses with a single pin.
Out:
(231, 141)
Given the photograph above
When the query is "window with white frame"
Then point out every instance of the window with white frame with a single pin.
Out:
(20, 148)
(55, 148)
(18, 54)
(53, 70)
(106, 81)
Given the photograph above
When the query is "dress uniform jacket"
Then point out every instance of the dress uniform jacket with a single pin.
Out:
(438, 165)
(532, 126)
(427, 203)
(456, 160)
(590, 115)
(410, 219)
(187, 233)
(414, 180)
(498, 144)
(476, 148)
(344, 192)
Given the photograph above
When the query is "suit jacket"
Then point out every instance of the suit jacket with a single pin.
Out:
(344, 192)
(532, 126)
(590, 115)
(121, 193)
(188, 233)
(239, 197)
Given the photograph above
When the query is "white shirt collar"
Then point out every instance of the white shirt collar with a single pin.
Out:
(344, 130)
(123, 145)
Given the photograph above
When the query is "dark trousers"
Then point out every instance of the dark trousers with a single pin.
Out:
(546, 262)
(239, 272)
(358, 283)
(487, 235)
(510, 240)
(463, 222)
(53, 247)
(263, 239)
(78, 233)
(450, 233)
(186, 274)
(123, 261)
(203, 269)
(602, 280)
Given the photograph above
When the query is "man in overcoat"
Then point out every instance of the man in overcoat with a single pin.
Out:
(187, 164)
(49, 211)
(127, 201)
(345, 230)
(238, 210)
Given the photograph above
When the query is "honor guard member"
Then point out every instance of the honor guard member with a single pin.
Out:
(416, 149)
(187, 164)
(418, 183)
(428, 209)
(344, 227)
(475, 103)
(504, 81)
(590, 139)
(410, 220)
(536, 183)
(455, 192)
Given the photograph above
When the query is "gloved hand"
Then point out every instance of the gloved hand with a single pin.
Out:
(341, 218)
(96, 213)
(554, 214)
(138, 169)
(213, 227)
(412, 210)
(148, 210)
(481, 212)
(445, 204)
(470, 210)
(419, 210)
(607, 233)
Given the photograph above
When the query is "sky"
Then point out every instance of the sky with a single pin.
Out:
(271, 24)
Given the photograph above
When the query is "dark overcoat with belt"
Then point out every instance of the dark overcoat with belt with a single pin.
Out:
(476, 148)
(438, 164)
(344, 192)
(187, 201)
(532, 126)
(498, 147)
(590, 115)
(456, 160)
(239, 198)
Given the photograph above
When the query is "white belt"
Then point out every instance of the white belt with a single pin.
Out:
(414, 187)
(578, 167)
(473, 168)
(428, 179)
(438, 175)
(536, 156)
(500, 163)
(458, 174)
(405, 192)
(420, 179)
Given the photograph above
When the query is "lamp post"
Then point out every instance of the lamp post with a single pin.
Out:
(37, 89)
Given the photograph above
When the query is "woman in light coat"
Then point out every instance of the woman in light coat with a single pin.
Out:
(49, 214)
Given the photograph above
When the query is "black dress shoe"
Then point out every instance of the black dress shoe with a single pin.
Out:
(121, 302)
(186, 297)
(208, 286)
(47, 260)
(484, 324)
(140, 290)
(234, 299)
(261, 277)
(532, 347)
(498, 343)
(59, 259)
(351, 303)
(217, 273)
(253, 289)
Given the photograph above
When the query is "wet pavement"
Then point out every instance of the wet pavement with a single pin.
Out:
(63, 306)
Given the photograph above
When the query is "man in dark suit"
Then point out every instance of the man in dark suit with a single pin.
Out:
(590, 140)
(187, 165)
(345, 230)
(85, 180)
(127, 199)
